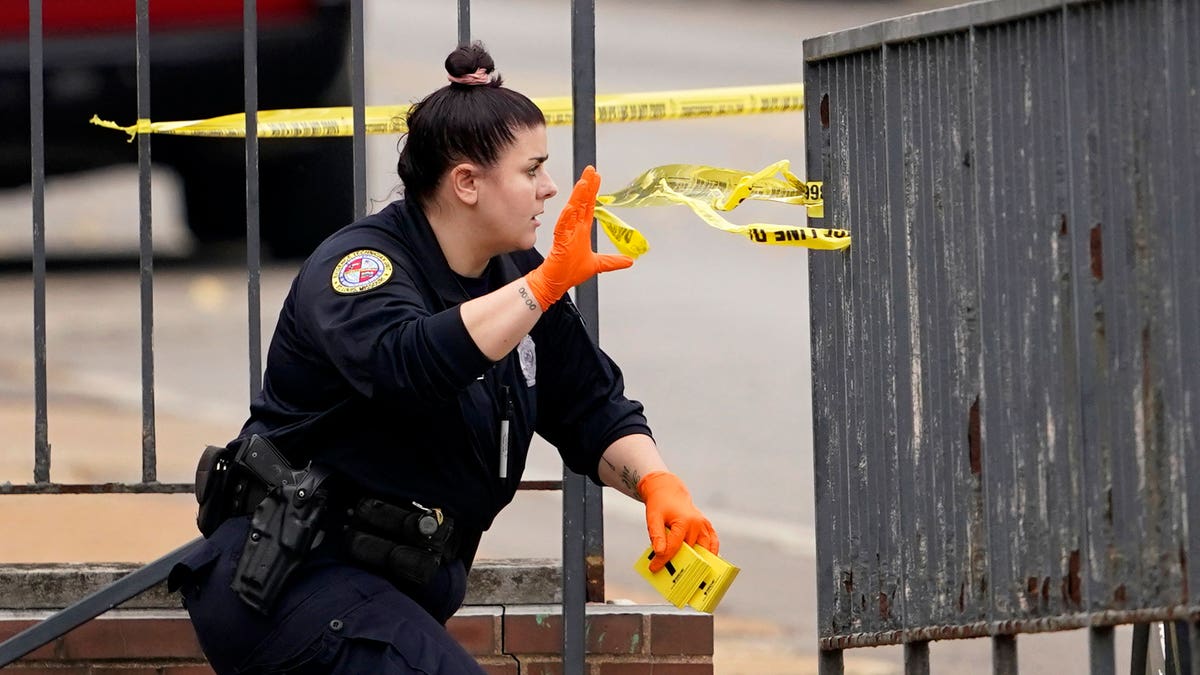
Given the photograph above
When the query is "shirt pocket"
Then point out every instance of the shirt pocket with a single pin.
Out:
(480, 415)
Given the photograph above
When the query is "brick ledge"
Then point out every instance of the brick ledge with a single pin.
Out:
(54, 586)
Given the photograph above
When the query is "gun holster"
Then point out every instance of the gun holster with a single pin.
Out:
(284, 523)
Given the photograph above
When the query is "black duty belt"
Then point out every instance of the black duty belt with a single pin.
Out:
(404, 542)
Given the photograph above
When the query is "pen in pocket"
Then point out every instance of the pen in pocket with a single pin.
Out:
(507, 413)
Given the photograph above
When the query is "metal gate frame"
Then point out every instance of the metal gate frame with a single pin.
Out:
(583, 525)
(1005, 390)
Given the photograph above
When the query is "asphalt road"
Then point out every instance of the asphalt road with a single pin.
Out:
(710, 330)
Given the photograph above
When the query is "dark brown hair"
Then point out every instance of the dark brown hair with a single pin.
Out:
(461, 122)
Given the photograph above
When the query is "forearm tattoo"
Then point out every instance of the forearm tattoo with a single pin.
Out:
(629, 477)
(529, 302)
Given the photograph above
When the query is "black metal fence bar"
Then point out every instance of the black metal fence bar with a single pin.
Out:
(830, 662)
(253, 198)
(464, 21)
(37, 129)
(358, 100)
(1004, 655)
(166, 488)
(1005, 397)
(1194, 640)
(47, 488)
(1102, 651)
(587, 295)
(1139, 648)
(579, 534)
(916, 658)
(146, 245)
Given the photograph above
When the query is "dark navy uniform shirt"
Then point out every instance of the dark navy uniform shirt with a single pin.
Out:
(372, 372)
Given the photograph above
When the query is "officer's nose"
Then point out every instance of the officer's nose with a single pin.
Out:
(549, 189)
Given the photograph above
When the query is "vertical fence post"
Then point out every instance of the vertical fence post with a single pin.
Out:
(587, 294)
(1004, 655)
(1101, 652)
(253, 230)
(464, 21)
(830, 662)
(37, 170)
(576, 492)
(146, 237)
(358, 101)
(1194, 644)
(916, 658)
(1138, 649)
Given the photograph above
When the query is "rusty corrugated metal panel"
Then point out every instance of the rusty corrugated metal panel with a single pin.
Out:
(864, 513)
(937, 376)
(1029, 431)
(1183, 87)
(1005, 394)
(1123, 166)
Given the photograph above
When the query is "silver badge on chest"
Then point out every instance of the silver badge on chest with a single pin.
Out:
(528, 357)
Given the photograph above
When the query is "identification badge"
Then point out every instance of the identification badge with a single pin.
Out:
(528, 357)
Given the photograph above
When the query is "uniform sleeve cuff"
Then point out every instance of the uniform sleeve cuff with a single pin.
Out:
(464, 361)
(630, 429)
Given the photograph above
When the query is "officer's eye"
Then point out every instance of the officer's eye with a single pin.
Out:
(534, 169)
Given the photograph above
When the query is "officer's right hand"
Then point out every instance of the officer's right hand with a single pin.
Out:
(672, 518)
(571, 260)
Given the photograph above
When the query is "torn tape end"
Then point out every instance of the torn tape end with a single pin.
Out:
(132, 131)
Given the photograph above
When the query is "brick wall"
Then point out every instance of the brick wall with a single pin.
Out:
(507, 640)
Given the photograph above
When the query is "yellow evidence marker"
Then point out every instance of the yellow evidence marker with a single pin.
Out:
(694, 577)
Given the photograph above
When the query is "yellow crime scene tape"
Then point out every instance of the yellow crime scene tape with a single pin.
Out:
(390, 119)
(707, 190)
(704, 189)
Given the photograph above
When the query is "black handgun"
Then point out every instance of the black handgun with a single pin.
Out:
(284, 523)
(265, 461)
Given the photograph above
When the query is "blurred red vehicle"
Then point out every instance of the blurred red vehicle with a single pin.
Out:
(196, 72)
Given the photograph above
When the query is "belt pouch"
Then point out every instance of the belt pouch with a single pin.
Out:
(218, 491)
(406, 545)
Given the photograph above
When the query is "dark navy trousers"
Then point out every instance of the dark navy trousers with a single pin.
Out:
(332, 617)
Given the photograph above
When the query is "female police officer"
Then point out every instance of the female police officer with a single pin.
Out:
(415, 355)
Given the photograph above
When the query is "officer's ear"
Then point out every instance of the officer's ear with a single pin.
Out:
(464, 182)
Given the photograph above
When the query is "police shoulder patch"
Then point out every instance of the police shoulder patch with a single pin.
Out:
(360, 271)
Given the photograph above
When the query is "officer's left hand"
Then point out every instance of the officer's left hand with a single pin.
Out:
(571, 260)
(669, 505)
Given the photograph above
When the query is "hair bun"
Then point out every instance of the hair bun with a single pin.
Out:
(468, 59)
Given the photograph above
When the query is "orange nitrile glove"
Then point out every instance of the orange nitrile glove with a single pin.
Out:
(672, 518)
(571, 260)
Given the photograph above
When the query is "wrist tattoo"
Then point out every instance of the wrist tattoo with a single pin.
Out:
(529, 302)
